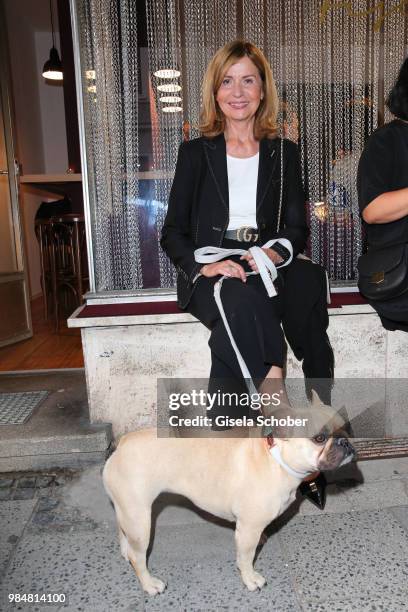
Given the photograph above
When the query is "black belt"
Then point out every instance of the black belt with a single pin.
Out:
(243, 234)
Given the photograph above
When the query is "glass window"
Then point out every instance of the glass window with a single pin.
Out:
(333, 68)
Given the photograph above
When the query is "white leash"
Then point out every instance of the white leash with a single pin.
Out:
(268, 272)
(266, 267)
(276, 454)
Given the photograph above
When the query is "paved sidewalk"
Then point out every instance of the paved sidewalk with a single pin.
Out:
(57, 535)
(58, 433)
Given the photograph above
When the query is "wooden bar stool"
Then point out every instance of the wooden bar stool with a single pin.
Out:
(68, 260)
(42, 231)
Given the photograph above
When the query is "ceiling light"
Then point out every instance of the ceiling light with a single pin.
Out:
(169, 88)
(53, 67)
(170, 99)
(172, 109)
(167, 73)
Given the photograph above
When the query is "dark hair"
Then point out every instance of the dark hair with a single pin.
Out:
(397, 100)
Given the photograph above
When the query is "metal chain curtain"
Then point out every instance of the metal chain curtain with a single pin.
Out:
(325, 57)
(333, 62)
(163, 28)
(109, 60)
(174, 29)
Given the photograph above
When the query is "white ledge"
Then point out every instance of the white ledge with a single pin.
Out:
(125, 320)
(182, 317)
(350, 309)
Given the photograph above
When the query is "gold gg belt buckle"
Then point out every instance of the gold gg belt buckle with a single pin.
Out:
(247, 234)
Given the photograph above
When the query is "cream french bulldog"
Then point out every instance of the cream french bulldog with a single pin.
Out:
(249, 480)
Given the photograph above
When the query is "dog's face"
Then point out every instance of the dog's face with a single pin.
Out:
(326, 446)
(335, 451)
(321, 453)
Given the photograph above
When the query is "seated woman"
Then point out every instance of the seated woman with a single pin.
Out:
(237, 186)
(382, 183)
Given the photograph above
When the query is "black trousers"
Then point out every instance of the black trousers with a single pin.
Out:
(256, 325)
(393, 313)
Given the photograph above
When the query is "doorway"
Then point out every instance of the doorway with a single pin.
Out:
(15, 319)
(36, 142)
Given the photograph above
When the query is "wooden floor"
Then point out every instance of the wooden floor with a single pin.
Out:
(46, 349)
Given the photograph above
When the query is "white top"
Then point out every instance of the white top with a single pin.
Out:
(242, 182)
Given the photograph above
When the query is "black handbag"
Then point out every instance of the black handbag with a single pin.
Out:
(383, 273)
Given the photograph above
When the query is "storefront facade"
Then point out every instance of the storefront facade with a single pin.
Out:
(139, 69)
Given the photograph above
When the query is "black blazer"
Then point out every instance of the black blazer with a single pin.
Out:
(198, 212)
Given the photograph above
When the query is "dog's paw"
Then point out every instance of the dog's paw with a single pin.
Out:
(124, 547)
(253, 581)
(153, 585)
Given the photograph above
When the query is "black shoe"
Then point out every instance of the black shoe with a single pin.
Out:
(315, 490)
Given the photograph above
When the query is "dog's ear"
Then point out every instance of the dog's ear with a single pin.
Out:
(339, 419)
(316, 401)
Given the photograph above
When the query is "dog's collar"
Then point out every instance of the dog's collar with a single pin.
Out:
(276, 454)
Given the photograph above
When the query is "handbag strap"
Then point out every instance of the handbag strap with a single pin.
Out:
(281, 184)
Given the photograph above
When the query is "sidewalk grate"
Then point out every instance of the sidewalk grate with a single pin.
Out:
(380, 448)
(17, 408)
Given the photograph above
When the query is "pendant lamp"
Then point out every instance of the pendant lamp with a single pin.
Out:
(53, 67)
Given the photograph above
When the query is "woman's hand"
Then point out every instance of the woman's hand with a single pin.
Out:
(273, 256)
(227, 267)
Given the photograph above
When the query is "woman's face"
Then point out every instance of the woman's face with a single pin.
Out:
(241, 91)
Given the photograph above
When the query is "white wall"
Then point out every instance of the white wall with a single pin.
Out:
(39, 113)
(52, 112)
(28, 129)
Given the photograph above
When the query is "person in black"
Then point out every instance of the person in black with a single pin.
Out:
(239, 134)
(240, 180)
(382, 184)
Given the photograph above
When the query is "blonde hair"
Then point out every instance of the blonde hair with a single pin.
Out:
(212, 119)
